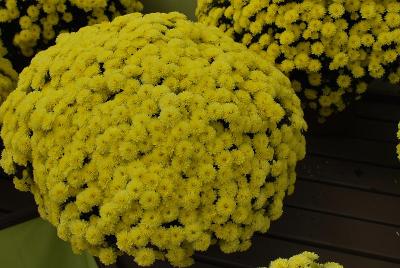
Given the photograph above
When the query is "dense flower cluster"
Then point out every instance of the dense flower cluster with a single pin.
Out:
(398, 146)
(8, 76)
(303, 260)
(330, 49)
(29, 26)
(155, 137)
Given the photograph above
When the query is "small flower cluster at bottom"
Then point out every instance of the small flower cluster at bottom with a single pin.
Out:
(303, 260)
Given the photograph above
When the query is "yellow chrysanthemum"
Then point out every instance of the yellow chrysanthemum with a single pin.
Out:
(302, 260)
(33, 25)
(8, 76)
(347, 42)
(150, 135)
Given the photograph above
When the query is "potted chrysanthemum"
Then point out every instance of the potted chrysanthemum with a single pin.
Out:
(30, 26)
(331, 50)
(155, 137)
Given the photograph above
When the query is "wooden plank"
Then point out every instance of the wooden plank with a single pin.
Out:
(11, 199)
(348, 125)
(343, 234)
(371, 152)
(266, 248)
(346, 202)
(220, 259)
(350, 174)
(385, 111)
(383, 89)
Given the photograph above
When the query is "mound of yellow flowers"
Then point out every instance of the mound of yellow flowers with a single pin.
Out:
(303, 260)
(330, 49)
(154, 137)
(30, 26)
(8, 76)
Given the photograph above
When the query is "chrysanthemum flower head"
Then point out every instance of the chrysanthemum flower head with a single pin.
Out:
(154, 137)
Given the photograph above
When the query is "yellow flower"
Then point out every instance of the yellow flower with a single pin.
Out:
(193, 232)
(287, 37)
(41, 21)
(225, 205)
(328, 29)
(344, 81)
(367, 10)
(150, 134)
(107, 255)
(202, 243)
(336, 10)
(302, 260)
(356, 38)
(145, 256)
(8, 76)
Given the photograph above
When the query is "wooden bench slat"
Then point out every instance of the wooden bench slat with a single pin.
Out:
(370, 152)
(347, 202)
(222, 260)
(382, 89)
(347, 125)
(344, 234)
(351, 174)
(377, 110)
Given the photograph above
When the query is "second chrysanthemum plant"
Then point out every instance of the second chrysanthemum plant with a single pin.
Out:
(155, 137)
(30, 26)
(8, 76)
(329, 49)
